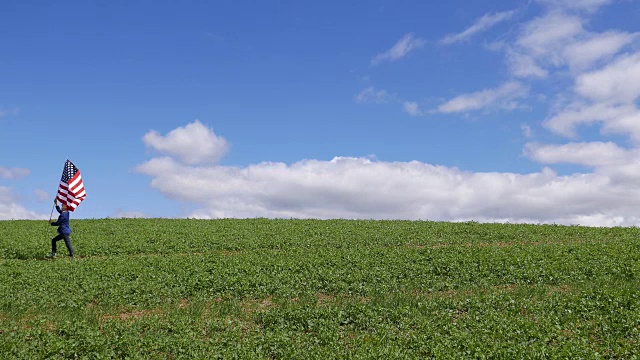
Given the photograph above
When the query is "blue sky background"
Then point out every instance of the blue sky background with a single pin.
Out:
(321, 107)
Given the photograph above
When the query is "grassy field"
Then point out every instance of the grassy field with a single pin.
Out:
(311, 289)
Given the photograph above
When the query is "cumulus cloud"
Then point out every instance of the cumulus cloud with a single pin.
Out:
(617, 82)
(613, 118)
(602, 80)
(192, 144)
(401, 49)
(558, 39)
(486, 22)
(10, 209)
(502, 97)
(13, 173)
(543, 39)
(347, 187)
(543, 44)
(362, 188)
(605, 96)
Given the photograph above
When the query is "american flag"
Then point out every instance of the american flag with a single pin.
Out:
(71, 189)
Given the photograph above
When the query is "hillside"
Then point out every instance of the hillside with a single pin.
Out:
(259, 288)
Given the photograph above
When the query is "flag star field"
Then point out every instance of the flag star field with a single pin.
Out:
(523, 111)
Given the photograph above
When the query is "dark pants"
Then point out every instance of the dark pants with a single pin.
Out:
(67, 242)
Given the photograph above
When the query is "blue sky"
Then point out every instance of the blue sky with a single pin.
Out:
(519, 111)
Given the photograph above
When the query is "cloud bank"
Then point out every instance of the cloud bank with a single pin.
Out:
(346, 187)
(10, 209)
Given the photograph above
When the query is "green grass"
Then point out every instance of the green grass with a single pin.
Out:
(311, 289)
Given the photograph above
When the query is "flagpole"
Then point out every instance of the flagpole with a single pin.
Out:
(51, 215)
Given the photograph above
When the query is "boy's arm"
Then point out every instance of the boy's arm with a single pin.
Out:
(55, 223)
(55, 201)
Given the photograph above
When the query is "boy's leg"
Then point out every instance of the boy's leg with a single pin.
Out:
(54, 241)
(67, 242)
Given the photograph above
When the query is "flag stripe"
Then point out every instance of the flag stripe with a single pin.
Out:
(71, 190)
(75, 180)
(77, 189)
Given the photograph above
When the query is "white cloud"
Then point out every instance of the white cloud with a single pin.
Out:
(10, 209)
(193, 143)
(361, 188)
(524, 66)
(545, 35)
(13, 173)
(540, 43)
(614, 119)
(484, 23)
(618, 82)
(605, 96)
(364, 188)
(412, 108)
(401, 49)
(371, 95)
(584, 54)
(594, 154)
(558, 39)
(42, 195)
(502, 97)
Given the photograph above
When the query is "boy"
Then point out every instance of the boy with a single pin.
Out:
(63, 230)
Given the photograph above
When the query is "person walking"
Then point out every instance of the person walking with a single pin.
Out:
(64, 230)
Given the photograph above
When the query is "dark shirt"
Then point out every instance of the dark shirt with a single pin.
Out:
(63, 222)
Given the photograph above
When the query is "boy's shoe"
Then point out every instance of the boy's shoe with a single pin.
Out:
(51, 255)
